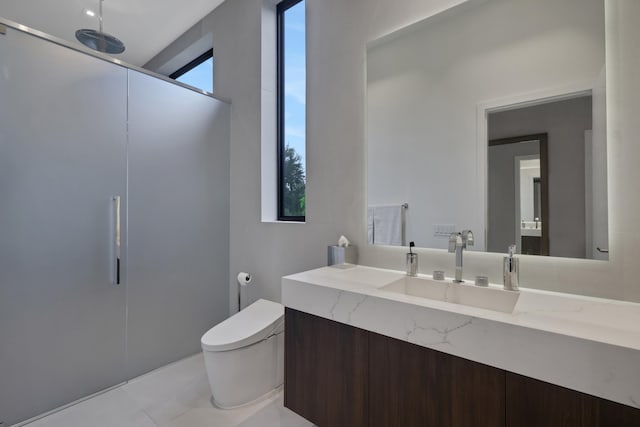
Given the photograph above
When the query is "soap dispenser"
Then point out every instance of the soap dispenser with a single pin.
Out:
(412, 261)
(511, 270)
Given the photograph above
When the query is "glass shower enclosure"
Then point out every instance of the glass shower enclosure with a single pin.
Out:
(88, 147)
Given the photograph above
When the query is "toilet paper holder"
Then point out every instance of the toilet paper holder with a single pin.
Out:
(243, 279)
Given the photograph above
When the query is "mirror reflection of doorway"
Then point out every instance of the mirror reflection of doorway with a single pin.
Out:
(537, 198)
(576, 174)
(518, 194)
(528, 199)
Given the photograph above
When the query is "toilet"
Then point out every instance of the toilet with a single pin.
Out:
(244, 355)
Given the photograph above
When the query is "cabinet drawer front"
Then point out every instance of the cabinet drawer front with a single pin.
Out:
(326, 370)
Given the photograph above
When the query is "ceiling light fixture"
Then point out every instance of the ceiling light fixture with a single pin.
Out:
(89, 12)
(99, 40)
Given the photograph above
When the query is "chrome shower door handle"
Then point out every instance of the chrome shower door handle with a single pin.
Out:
(115, 280)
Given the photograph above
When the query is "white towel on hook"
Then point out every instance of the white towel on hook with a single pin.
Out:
(387, 225)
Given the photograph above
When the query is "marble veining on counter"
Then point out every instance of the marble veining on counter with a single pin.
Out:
(587, 344)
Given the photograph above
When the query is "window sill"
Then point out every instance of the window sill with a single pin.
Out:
(275, 221)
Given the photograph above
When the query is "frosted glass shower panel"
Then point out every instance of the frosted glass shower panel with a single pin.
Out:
(62, 161)
(179, 215)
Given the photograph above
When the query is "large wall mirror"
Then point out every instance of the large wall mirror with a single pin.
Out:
(491, 116)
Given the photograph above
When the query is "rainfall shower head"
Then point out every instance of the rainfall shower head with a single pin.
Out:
(99, 40)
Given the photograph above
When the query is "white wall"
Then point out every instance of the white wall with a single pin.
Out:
(338, 32)
(270, 250)
(423, 89)
(597, 208)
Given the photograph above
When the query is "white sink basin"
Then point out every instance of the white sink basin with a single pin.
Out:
(489, 298)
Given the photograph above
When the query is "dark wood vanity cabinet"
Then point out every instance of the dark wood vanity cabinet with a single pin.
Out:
(326, 370)
(337, 375)
(533, 403)
(410, 385)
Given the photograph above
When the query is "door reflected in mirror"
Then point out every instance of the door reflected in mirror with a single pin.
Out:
(517, 196)
(529, 226)
(540, 192)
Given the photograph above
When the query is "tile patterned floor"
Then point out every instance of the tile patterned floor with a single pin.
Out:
(176, 395)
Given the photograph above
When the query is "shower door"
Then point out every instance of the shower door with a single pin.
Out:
(178, 239)
(62, 164)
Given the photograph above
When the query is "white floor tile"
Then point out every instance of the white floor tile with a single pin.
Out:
(164, 383)
(275, 415)
(176, 395)
(202, 418)
(114, 408)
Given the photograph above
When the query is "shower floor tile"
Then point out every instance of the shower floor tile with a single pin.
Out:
(176, 395)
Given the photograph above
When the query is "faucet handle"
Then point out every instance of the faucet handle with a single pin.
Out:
(453, 240)
(467, 237)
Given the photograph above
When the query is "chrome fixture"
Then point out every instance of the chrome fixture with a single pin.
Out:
(482, 281)
(458, 242)
(115, 280)
(412, 261)
(511, 270)
(99, 40)
(438, 275)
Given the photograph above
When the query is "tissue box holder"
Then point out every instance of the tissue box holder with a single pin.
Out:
(342, 255)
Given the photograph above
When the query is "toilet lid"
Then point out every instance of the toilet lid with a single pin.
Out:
(253, 324)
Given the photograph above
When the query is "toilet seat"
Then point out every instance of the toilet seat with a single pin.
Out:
(257, 322)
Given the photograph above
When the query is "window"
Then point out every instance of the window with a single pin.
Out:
(291, 110)
(197, 73)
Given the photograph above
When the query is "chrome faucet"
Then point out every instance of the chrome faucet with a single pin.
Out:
(458, 242)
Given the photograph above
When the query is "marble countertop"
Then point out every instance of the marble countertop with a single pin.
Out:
(587, 344)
